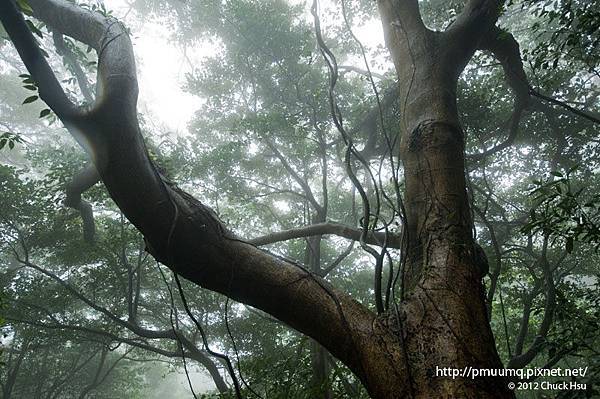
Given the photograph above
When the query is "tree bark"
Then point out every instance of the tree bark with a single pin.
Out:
(445, 318)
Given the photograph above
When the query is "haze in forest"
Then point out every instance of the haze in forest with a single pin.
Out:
(299, 199)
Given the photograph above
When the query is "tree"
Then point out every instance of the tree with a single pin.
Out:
(81, 300)
(442, 319)
(78, 371)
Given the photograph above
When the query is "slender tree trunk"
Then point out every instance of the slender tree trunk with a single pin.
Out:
(320, 386)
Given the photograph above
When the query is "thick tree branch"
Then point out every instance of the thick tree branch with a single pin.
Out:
(186, 235)
(116, 66)
(319, 229)
(474, 21)
(505, 49)
(407, 14)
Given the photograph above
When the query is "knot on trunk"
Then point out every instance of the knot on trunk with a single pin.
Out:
(434, 133)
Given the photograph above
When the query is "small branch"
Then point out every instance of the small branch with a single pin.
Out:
(338, 260)
(94, 383)
(564, 105)
(91, 331)
(360, 71)
(373, 238)
(305, 187)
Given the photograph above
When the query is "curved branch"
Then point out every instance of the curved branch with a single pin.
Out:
(505, 49)
(319, 229)
(116, 67)
(513, 130)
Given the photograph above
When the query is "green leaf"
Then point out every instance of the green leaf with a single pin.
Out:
(30, 87)
(44, 113)
(30, 99)
(557, 174)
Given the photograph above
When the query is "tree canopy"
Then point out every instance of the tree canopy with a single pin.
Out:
(289, 241)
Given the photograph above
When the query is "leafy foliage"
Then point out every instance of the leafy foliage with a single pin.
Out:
(561, 211)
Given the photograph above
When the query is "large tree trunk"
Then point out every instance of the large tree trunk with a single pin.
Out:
(442, 319)
(446, 322)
